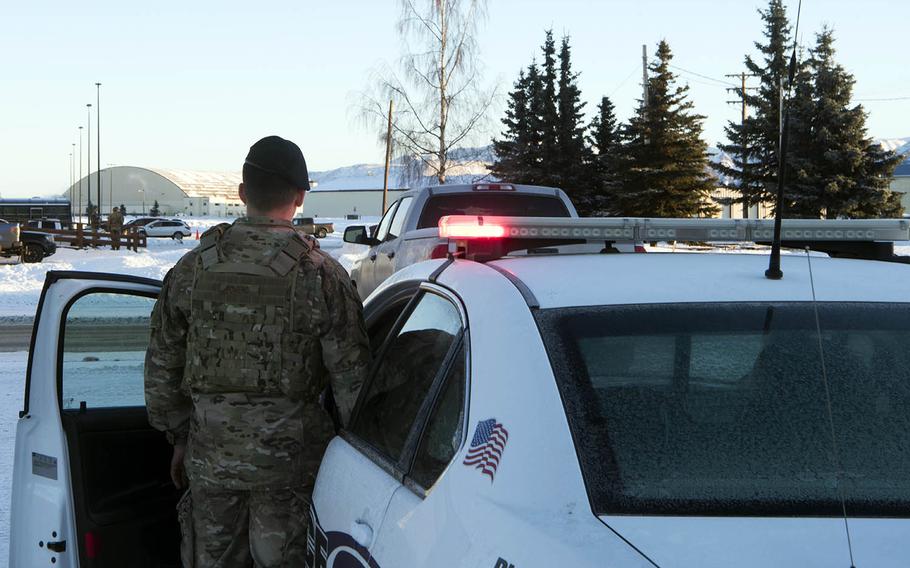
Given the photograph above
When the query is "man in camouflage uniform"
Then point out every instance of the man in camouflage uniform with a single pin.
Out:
(115, 225)
(249, 330)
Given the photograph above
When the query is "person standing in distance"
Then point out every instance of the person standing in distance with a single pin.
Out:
(115, 225)
(249, 330)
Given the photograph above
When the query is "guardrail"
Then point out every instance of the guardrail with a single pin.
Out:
(82, 236)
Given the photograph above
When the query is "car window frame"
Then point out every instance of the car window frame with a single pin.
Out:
(61, 340)
(389, 214)
(464, 344)
(398, 211)
(399, 469)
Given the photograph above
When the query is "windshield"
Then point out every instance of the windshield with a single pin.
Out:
(479, 203)
(708, 409)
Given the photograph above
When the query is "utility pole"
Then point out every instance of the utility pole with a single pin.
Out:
(741, 91)
(644, 76)
(388, 161)
(98, 136)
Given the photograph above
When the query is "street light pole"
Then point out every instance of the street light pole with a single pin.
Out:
(98, 136)
(80, 175)
(88, 156)
(72, 178)
(110, 184)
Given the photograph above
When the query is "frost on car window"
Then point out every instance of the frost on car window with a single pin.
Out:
(723, 408)
(105, 336)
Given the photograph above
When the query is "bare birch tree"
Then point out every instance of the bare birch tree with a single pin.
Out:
(435, 87)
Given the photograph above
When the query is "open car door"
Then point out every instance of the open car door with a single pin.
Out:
(91, 485)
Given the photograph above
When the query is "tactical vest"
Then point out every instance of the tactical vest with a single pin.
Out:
(241, 336)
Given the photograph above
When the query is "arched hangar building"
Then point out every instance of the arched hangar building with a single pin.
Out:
(178, 192)
(202, 193)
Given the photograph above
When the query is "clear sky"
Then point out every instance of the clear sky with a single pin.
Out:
(193, 84)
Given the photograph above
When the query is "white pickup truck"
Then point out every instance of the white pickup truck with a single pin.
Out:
(408, 232)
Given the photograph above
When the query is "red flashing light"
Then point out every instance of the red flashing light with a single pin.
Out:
(465, 227)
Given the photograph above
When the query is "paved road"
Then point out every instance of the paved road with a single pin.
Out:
(104, 335)
(14, 336)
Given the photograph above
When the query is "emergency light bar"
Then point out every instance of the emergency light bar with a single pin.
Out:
(643, 229)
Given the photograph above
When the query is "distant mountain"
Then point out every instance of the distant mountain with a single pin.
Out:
(899, 145)
(466, 165)
(473, 164)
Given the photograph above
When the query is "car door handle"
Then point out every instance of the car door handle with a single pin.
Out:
(390, 254)
(362, 533)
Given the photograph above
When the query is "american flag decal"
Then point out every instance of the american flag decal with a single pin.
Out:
(486, 449)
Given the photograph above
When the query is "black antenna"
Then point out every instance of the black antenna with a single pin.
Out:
(774, 272)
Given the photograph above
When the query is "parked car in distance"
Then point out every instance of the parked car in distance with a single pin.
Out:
(30, 246)
(9, 239)
(309, 226)
(408, 232)
(166, 228)
(141, 221)
(46, 223)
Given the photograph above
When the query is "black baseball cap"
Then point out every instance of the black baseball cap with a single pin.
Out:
(280, 157)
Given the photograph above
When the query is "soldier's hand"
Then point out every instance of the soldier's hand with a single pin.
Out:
(178, 472)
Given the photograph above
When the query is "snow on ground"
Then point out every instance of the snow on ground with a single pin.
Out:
(20, 284)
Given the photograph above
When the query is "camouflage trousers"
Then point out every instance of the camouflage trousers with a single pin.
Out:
(224, 528)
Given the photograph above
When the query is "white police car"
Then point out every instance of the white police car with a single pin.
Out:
(533, 409)
(629, 410)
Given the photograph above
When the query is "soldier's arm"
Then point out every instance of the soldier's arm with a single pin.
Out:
(345, 344)
(168, 404)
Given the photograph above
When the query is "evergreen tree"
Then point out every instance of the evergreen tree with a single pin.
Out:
(513, 150)
(546, 107)
(518, 152)
(663, 164)
(837, 170)
(573, 155)
(754, 143)
(155, 210)
(604, 142)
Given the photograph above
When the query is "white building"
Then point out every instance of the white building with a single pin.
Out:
(178, 192)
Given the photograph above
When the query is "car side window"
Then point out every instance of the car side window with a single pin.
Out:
(105, 336)
(404, 206)
(386, 221)
(444, 431)
(404, 374)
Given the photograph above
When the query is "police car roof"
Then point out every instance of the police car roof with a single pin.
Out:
(612, 279)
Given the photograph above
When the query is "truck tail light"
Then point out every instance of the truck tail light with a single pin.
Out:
(493, 187)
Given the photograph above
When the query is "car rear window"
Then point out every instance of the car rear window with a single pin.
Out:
(485, 203)
(723, 409)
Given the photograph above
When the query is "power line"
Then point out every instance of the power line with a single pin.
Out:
(721, 81)
(881, 100)
(624, 81)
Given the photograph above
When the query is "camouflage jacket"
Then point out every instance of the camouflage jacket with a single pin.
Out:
(244, 440)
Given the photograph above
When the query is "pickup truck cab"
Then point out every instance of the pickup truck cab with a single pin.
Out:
(309, 226)
(408, 232)
(29, 245)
